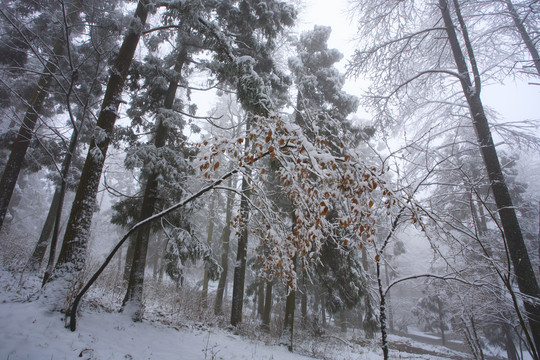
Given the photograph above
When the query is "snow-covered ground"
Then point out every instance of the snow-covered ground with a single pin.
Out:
(29, 331)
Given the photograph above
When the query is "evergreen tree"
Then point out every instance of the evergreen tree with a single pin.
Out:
(72, 256)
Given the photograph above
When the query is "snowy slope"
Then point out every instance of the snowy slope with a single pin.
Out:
(29, 331)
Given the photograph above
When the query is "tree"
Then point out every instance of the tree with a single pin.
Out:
(437, 71)
(35, 104)
(523, 270)
(73, 253)
(162, 105)
(431, 311)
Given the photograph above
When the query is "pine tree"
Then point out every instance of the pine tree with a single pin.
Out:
(35, 104)
(72, 256)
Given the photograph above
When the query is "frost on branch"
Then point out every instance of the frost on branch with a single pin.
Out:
(330, 194)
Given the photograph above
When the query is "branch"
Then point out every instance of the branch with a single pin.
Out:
(440, 277)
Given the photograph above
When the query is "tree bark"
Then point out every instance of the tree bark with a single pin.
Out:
(388, 300)
(226, 237)
(288, 330)
(267, 306)
(382, 312)
(511, 351)
(134, 293)
(72, 256)
(210, 235)
(66, 165)
(24, 136)
(303, 301)
(260, 298)
(523, 269)
(524, 34)
(35, 260)
(241, 255)
(441, 320)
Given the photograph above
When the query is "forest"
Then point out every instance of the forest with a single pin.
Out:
(213, 179)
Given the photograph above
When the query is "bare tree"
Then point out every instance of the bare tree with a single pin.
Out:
(451, 63)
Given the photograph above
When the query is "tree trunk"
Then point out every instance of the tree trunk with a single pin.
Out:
(343, 321)
(210, 235)
(523, 269)
(66, 165)
(524, 34)
(24, 136)
(241, 255)
(134, 293)
(288, 329)
(388, 300)
(260, 298)
(382, 313)
(303, 301)
(35, 260)
(267, 306)
(226, 236)
(323, 311)
(72, 258)
(511, 351)
(129, 259)
(441, 320)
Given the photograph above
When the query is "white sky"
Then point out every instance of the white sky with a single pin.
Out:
(513, 102)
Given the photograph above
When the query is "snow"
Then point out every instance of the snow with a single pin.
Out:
(35, 333)
(30, 330)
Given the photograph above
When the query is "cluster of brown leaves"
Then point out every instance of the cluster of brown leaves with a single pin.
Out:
(331, 193)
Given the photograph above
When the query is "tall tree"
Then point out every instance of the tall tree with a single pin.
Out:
(72, 256)
(523, 269)
(35, 104)
(449, 62)
(166, 119)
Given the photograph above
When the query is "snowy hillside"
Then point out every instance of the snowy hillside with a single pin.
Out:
(30, 331)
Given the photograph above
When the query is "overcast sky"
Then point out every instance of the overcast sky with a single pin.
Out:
(513, 102)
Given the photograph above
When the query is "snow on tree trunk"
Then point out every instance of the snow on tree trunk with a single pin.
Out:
(210, 235)
(241, 254)
(72, 256)
(226, 236)
(43, 242)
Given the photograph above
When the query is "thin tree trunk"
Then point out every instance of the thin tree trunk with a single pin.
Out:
(388, 300)
(303, 301)
(382, 314)
(441, 320)
(524, 34)
(260, 298)
(290, 304)
(511, 351)
(323, 311)
(288, 330)
(210, 235)
(24, 136)
(226, 236)
(129, 259)
(523, 269)
(35, 260)
(66, 165)
(267, 306)
(241, 255)
(134, 293)
(343, 321)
